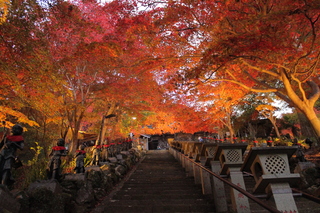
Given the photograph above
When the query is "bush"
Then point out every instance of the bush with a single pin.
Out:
(34, 169)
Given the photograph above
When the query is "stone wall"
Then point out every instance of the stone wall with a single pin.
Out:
(76, 193)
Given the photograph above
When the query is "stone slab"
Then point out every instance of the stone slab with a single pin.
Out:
(113, 159)
(96, 168)
(303, 165)
(119, 157)
(51, 185)
(8, 203)
(75, 177)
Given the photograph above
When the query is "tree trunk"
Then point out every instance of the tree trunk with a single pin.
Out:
(273, 122)
(306, 128)
(75, 130)
(102, 133)
(314, 121)
(304, 104)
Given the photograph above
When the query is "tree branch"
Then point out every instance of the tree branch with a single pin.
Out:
(260, 69)
(243, 85)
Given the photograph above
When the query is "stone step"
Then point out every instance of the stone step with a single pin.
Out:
(198, 201)
(162, 187)
(159, 191)
(146, 208)
(153, 196)
(159, 184)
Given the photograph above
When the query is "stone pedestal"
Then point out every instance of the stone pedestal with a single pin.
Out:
(51, 185)
(191, 172)
(218, 189)
(8, 203)
(303, 165)
(205, 178)
(196, 174)
(80, 177)
(240, 202)
(282, 196)
(205, 156)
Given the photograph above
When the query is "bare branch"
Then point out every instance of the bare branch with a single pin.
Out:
(260, 69)
(304, 97)
(244, 86)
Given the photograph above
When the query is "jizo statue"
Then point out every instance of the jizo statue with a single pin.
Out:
(80, 156)
(8, 147)
(54, 164)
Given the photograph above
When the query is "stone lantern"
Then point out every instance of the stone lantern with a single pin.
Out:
(271, 171)
(230, 157)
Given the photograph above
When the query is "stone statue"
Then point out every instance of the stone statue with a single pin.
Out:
(309, 142)
(9, 146)
(269, 141)
(53, 168)
(299, 152)
(80, 156)
(112, 150)
(295, 142)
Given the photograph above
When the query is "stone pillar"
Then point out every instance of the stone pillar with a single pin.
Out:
(205, 179)
(240, 202)
(183, 161)
(180, 157)
(206, 182)
(282, 196)
(191, 172)
(196, 174)
(218, 189)
(186, 164)
(175, 154)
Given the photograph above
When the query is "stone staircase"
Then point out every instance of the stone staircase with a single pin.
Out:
(159, 184)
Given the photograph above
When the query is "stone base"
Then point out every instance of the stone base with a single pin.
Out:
(113, 160)
(75, 177)
(281, 194)
(8, 203)
(303, 165)
(95, 168)
(51, 185)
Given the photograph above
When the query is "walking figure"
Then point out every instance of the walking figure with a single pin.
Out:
(80, 156)
(9, 145)
(53, 168)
